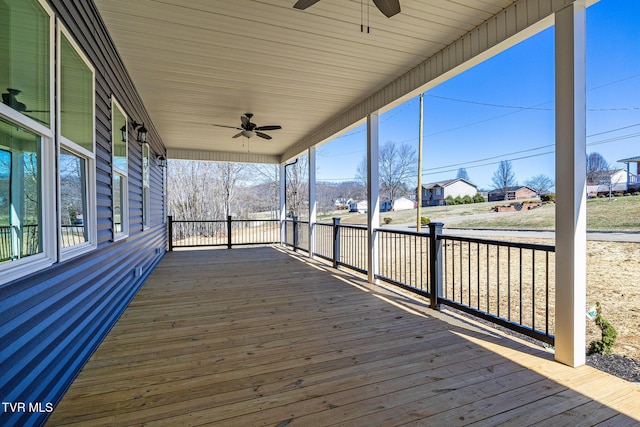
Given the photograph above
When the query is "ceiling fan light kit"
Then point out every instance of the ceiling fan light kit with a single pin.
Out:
(249, 129)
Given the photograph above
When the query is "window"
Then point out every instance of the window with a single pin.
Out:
(27, 180)
(145, 186)
(119, 136)
(20, 193)
(77, 159)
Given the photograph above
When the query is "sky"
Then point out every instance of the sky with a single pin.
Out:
(503, 109)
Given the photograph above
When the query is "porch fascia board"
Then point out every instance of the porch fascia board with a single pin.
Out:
(512, 25)
(220, 156)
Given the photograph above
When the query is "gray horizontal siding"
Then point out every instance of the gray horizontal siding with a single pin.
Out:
(52, 321)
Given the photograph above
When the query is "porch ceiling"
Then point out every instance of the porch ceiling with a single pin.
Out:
(202, 62)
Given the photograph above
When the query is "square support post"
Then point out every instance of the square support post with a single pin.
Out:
(373, 198)
(313, 206)
(283, 202)
(435, 264)
(571, 184)
(336, 242)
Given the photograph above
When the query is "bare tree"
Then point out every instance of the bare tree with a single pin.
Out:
(597, 168)
(462, 174)
(297, 187)
(504, 177)
(541, 184)
(397, 165)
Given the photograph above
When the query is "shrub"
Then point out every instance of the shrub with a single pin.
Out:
(450, 200)
(478, 198)
(458, 200)
(424, 220)
(609, 334)
(548, 197)
(387, 220)
(467, 200)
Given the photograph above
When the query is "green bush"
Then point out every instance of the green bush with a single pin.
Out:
(458, 200)
(424, 220)
(450, 200)
(478, 198)
(609, 334)
(467, 200)
(387, 220)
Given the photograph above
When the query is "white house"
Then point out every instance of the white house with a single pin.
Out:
(610, 181)
(358, 206)
(402, 203)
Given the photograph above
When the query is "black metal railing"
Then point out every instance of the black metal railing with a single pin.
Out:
(296, 234)
(404, 259)
(507, 283)
(352, 247)
(230, 232)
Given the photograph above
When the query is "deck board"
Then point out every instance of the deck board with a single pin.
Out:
(263, 336)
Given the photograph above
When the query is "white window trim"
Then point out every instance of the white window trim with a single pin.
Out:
(124, 210)
(16, 269)
(91, 220)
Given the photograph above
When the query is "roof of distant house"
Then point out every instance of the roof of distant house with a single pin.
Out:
(630, 159)
(446, 183)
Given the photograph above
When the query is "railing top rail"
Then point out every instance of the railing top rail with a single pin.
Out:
(224, 220)
(521, 245)
(406, 232)
(355, 226)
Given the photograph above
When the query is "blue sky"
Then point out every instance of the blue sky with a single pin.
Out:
(502, 109)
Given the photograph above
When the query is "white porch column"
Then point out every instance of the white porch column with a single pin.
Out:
(571, 203)
(312, 201)
(283, 207)
(373, 199)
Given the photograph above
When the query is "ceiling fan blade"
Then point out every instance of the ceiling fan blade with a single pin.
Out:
(388, 7)
(263, 135)
(303, 4)
(225, 126)
(238, 135)
(272, 127)
(245, 121)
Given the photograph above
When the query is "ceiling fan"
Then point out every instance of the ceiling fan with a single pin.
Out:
(387, 7)
(249, 129)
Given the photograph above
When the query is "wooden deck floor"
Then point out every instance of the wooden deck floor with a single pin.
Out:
(261, 336)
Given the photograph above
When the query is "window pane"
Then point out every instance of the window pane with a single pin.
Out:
(76, 100)
(24, 58)
(73, 199)
(20, 193)
(119, 135)
(145, 165)
(145, 207)
(117, 203)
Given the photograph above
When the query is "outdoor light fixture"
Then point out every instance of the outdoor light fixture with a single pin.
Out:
(161, 160)
(123, 131)
(142, 132)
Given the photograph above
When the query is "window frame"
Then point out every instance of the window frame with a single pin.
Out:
(124, 175)
(48, 256)
(146, 185)
(90, 220)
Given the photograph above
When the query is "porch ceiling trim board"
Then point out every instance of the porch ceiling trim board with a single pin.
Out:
(221, 156)
(514, 24)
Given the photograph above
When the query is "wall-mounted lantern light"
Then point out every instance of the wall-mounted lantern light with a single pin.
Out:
(142, 132)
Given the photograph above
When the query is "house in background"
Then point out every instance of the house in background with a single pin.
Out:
(633, 184)
(615, 180)
(435, 193)
(399, 204)
(358, 206)
(342, 203)
(517, 192)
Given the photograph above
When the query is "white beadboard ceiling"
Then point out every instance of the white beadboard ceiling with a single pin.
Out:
(200, 62)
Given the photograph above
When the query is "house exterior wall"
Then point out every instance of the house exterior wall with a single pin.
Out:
(523, 193)
(403, 204)
(51, 321)
(459, 188)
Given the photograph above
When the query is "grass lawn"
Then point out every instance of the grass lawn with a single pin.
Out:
(617, 214)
